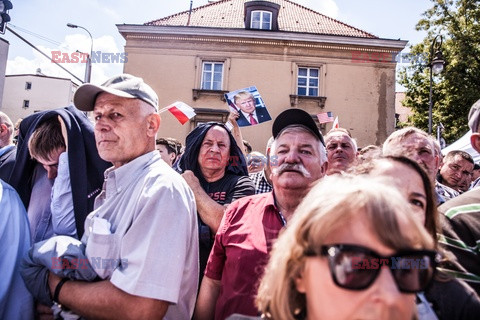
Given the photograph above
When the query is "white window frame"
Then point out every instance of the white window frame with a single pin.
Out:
(308, 77)
(210, 85)
(263, 15)
(28, 85)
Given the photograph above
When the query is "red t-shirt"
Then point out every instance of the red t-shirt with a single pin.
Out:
(241, 250)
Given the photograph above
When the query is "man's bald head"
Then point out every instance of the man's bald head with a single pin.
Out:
(6, 130)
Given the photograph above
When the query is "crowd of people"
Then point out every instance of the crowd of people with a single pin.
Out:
(104, 220)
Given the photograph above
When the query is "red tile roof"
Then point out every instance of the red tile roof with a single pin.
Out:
(291, 17)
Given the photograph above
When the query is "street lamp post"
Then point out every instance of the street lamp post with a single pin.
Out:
(88, 67)
(436, 65)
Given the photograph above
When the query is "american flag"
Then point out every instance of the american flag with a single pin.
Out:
(325, 117)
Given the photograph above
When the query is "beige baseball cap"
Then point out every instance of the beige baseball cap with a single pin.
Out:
(124, 85)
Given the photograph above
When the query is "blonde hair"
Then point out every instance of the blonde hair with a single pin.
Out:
(330, 204)
(243, 95)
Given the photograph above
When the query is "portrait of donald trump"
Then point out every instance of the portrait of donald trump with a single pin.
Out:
(249, 105)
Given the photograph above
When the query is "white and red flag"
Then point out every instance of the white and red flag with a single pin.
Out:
(180, 110)
(335, 123)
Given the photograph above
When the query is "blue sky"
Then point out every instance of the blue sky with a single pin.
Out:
(43, 22)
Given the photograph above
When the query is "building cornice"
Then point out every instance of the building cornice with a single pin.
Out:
(38, 76)
(129, 31)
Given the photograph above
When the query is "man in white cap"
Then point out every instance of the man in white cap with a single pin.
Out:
(144, 219)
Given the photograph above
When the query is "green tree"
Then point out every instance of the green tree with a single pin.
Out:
(458, 86)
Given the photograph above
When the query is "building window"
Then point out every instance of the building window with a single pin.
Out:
(205, 115)
(261, 15)
(28, 85)
(261, 20)
(307, 82)
(26, 104)
(212, 75)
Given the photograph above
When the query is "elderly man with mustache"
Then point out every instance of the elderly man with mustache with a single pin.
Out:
(250, 225)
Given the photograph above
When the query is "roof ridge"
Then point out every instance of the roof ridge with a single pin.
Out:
(38, 75)
(339, 27)
(183, 12)
(328, 17)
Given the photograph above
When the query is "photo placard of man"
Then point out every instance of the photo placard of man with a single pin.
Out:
(248, 106)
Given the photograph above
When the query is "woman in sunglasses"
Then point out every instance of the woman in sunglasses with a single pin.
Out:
(352, 251)
(450, 298)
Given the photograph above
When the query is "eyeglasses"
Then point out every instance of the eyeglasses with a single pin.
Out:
(356, 268)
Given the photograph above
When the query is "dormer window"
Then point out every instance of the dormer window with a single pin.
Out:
(261, 20)
(261, 15)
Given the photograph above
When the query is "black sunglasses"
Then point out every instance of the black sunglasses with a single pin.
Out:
(356, 268)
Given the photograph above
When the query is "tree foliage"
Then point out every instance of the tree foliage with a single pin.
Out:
(458, 86)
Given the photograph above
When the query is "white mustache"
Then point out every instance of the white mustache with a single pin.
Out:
(298, 167)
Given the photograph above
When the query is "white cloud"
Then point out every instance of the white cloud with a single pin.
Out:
(72, 43)
(21, 65)
(101, 22)
(326, 7)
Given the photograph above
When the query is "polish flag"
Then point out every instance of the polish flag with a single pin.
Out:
(180, 110)
(335, 123)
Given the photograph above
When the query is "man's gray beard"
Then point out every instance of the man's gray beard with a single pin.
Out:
(298, 167)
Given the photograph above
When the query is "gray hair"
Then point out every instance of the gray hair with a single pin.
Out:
(398, 136)
(436, 148)
(269, 145)
(298, 129)
(344, 132)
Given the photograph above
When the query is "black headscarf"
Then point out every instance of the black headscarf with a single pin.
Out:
(189, 161)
